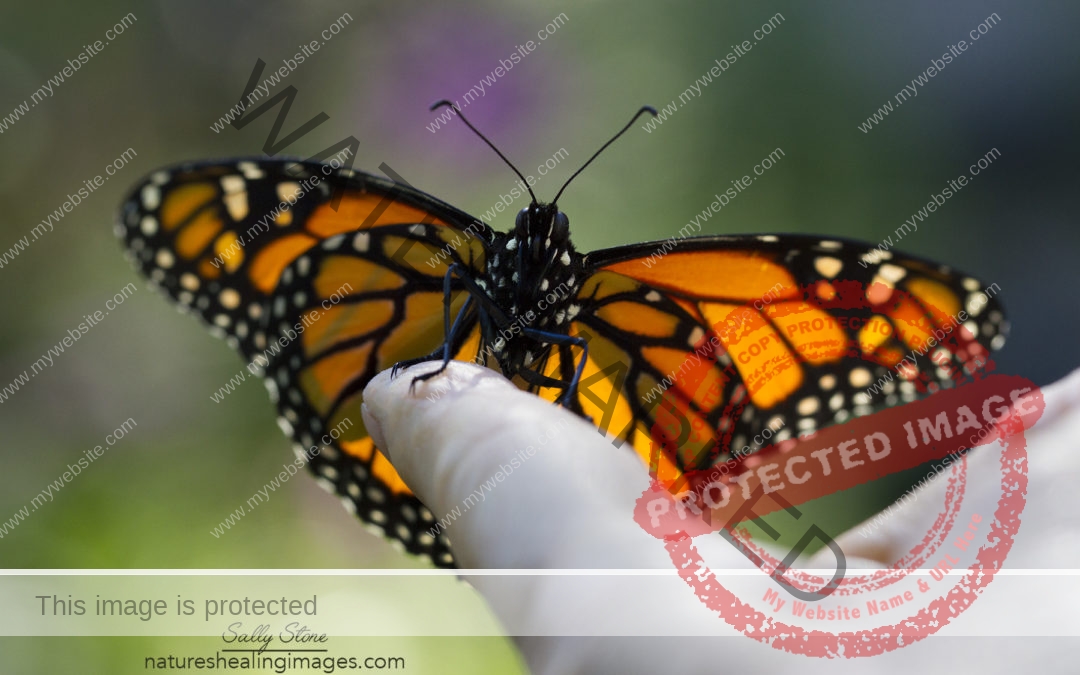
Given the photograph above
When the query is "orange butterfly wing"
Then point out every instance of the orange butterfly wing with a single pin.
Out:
(708, 345)
(321, 278)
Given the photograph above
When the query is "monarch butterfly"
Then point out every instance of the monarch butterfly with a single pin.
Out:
(322, 276)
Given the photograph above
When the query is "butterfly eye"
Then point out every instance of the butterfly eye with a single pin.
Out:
(561, 226)
(522, 218)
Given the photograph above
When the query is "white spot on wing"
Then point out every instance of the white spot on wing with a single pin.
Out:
(236, 204)
(828, 266)
(362, 242)
(892, 273)
(231, 184)
(250, 170)
(976, 302)
(288, 191)
(808, 406)
(859, 377)
(151, 197)
(229, 298)
(695, 336)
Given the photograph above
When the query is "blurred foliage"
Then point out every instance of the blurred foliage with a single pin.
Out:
(152, 499)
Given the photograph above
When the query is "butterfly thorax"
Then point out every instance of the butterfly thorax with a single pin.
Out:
(533, 274)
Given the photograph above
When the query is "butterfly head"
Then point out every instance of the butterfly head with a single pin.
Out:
(540, 229)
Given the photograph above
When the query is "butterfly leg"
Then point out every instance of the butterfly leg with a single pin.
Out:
(559, 339)
(447, 333)
(452, 344)
(533, 377)
(453, 332)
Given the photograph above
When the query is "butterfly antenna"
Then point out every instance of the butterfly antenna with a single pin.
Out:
(644, 109)
(445, 103)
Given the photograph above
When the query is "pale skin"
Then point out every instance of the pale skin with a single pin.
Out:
(569, 505)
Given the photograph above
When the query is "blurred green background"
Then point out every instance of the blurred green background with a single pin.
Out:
(152, 500)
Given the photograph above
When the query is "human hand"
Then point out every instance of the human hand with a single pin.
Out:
(524, 485)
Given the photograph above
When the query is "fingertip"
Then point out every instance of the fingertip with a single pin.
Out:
(396, 404)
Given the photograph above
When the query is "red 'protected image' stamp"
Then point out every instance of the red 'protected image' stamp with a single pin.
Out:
(845, 614)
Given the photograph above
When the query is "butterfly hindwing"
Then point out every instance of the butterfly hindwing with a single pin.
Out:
(343, 333)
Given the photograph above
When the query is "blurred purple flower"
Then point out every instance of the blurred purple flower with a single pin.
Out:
(448, 53)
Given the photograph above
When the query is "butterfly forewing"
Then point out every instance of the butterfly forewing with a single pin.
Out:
(216, 237)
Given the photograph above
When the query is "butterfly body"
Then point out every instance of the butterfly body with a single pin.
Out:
(532, 278)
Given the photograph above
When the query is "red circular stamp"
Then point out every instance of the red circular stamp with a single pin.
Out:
(842, 614)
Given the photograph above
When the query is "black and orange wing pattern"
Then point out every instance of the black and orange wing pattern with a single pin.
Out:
(714, 348)
(321, 277)
(725, 336)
